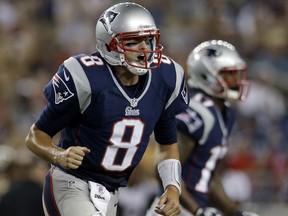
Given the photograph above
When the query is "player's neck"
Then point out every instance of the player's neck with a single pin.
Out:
(219, 103)
(125, 76)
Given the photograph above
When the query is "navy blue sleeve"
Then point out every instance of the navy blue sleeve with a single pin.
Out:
(63, 105)
(165, 131)
(61, 92)
(178, 99)
(179, 96)
(50, 121)
(181, 102)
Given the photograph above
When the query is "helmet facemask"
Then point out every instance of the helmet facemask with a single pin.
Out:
(151, 58)
(232, 84)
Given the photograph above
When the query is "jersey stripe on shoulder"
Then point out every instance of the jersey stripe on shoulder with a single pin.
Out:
(179, 77)
(207, 118)
(81, 82)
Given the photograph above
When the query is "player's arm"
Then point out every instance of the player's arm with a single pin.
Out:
(166, 134)
(65, 104)
(41, 144)
(187, 200)
(169, 170)
(219, 197)
(186, 144)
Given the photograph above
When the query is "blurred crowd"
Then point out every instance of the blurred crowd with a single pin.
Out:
(36, 36)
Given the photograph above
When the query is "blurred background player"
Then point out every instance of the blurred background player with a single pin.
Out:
(24, 174)
(217, 75)
(106, 106)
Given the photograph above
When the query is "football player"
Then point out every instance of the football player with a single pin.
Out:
(217, 75)
(106, 106)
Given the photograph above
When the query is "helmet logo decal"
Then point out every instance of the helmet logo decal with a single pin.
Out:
(212, 53)
(107, 18)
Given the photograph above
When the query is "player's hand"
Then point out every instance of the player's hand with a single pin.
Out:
(208, 211)
(169, 204)
(72, 157)
(245, 213)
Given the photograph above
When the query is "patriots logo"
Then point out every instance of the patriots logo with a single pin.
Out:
(61, 90)
(107, 18)
(212, 53)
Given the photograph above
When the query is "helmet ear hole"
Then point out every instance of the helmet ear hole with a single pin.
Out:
(108, 48)
(112, 45)
(203, 76)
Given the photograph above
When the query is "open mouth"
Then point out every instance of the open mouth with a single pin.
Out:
(141, 58)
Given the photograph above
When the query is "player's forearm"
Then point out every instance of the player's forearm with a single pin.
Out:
(187, 201)
(169, 166)
(169, 152)
(220, 198)
(41, 144)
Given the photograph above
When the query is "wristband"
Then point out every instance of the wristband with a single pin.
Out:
(170, 173)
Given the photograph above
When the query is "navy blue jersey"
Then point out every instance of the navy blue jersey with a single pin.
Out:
(209, 129)
(95, 110)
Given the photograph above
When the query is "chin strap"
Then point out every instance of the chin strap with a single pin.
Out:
(135, 70)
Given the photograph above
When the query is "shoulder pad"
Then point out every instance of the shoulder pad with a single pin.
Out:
(206, 115)
(81, 82)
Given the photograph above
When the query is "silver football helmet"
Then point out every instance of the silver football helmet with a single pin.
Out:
(127, 21)
(216, 68)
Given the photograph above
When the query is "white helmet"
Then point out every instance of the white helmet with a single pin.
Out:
(125, 21)
(216, 68)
